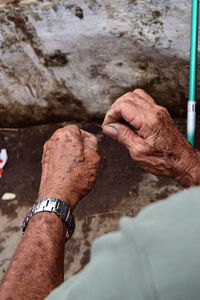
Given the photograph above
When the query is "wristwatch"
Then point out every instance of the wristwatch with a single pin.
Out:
(53, 205)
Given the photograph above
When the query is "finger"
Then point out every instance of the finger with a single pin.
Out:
(123, 134)
(141, 93)
(127, 111)
(89, 140)
(73, 129)
(91, 149)
(69, 130)
(132, 98)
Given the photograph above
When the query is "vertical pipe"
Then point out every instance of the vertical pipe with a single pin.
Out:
(191, 117)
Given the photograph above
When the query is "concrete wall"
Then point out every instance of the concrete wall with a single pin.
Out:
(66, 60)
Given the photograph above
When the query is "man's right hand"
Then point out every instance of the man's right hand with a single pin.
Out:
(152, 138)
(70, 165)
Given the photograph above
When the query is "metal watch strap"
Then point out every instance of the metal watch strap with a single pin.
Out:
(53, 205)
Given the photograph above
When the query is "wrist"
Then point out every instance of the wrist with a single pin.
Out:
(70, 198)
(55, 206)
(188, 170)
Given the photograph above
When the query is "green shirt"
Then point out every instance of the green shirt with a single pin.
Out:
(155, 255)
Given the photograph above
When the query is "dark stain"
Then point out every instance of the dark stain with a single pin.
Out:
(16, 2)
(39, 217)
(61, 106)
(28, 267)
(40, 244)
(55, 7)
(56, 59)
(20, 275)
(86, 228)
(12, 229)
(120, 64)
(79, 12)
(2, 240)
(156, 14)
(121, 34)
(28, 31)
(9, 209)
(85, 258)
(97, 70)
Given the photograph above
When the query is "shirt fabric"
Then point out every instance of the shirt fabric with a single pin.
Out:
(154, 256)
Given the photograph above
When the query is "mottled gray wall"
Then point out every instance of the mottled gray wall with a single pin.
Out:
(66, 60)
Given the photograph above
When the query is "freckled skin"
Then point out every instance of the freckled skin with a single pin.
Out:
(69, 159)
(158, 146)
(69, 170)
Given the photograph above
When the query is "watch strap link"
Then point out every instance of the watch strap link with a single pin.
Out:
(53, 205)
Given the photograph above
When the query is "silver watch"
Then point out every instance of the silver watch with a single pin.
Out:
(53, 205)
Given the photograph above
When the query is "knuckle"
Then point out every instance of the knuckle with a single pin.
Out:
(58, 133)
(136, 152)
(123, 99)
(109, 114)
(138, 91)
(162, 109)
(71, 127)
(129, 95)
(161, 113)
(155, 120)
(45, 146)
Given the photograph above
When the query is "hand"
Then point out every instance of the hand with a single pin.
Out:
(154, 141)
(69, 165)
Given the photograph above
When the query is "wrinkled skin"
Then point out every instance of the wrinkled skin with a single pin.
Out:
(153, 140)
(69, 168)
(69, 165)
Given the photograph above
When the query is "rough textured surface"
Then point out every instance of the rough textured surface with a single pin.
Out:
(66, 60)
(122, 188)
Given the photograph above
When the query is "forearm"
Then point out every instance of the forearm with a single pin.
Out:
(38, 263)
(70, 164)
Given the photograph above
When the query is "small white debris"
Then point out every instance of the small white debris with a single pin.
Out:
(8, 196)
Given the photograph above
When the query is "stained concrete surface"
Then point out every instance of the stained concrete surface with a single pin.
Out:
(52, 51)
(122, 188)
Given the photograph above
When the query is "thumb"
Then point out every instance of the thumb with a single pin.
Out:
(122, 133)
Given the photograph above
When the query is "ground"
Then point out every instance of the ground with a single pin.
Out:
(122, 188)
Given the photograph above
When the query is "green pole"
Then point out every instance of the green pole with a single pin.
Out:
(191, 117)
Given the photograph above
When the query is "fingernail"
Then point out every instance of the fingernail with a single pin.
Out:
(111, 131)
